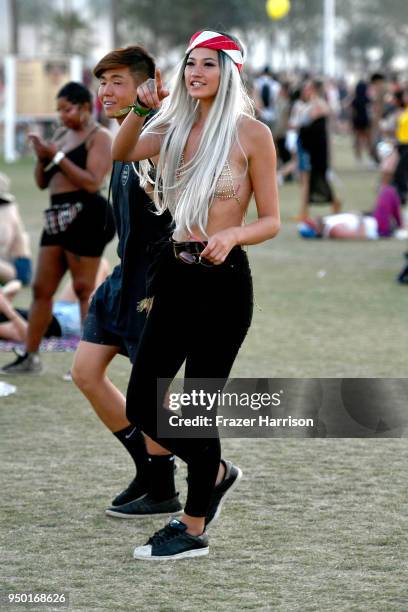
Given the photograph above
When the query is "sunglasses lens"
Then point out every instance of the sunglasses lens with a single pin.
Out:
(187, 258)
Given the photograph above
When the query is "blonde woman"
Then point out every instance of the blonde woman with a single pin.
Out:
(211, 156)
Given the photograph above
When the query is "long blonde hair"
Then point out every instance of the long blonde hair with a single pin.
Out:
(188, 191)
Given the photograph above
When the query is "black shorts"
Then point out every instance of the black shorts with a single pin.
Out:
(90, 231)
(96, 333)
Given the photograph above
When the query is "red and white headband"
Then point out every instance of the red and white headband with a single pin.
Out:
(215, 40)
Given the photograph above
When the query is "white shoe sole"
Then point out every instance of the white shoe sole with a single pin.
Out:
(189, 554)
(118, 515)
(232, 487)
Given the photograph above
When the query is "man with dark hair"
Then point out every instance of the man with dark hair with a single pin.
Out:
(114, 324)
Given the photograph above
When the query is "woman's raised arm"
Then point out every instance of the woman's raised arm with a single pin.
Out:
(129, 144)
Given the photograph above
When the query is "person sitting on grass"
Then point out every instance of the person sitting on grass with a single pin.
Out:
(66, 315)
(385, 221)
(15, 256)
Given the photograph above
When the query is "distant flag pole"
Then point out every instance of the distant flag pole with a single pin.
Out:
(329, 19)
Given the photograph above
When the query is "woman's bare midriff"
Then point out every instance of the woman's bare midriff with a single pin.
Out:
(60, 184)
(222, 215)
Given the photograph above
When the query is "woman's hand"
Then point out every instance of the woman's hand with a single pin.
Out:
(151, 92)
(43, 150)
(220, 244)
(50, 149)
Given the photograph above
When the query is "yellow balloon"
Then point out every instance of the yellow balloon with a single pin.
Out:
(277, 9)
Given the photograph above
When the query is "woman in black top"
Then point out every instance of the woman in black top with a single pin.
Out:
(79, 223)
(361, 121)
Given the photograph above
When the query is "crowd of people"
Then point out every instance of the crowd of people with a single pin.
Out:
(304, 113)
(186, 162)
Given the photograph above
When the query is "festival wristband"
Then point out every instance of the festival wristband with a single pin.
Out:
(139, 109)
(58, 157)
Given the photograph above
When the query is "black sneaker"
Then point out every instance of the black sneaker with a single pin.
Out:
(146, 506)
(172, 542)
(403, 276)
(26, 363)
(135, 491)
(232, 476)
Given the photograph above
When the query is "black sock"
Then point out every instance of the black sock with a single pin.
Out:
(133, 440)
(162, 484)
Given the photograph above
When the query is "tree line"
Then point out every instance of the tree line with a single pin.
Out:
(165, 24)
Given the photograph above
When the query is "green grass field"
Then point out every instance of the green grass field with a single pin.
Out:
(316, 525)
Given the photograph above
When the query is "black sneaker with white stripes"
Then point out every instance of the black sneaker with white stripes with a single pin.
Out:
(172, 542)
(232, 476)
(145, 506)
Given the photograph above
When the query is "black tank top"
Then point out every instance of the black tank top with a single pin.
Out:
(78, 156)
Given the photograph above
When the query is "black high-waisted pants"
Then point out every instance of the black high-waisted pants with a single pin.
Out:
(201, 316)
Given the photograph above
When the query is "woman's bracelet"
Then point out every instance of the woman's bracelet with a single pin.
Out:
(139, 109)
(58, 157)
